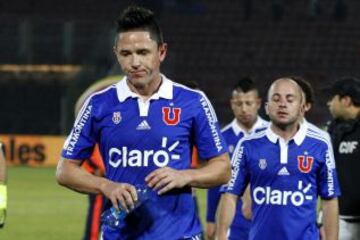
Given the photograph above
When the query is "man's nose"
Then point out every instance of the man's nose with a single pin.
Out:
(135, 61)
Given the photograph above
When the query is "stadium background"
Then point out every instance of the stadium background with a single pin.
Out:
(50, 51)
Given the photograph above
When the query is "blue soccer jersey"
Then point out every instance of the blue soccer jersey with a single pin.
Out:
(285, 180)
(232, 134)
(136, 137)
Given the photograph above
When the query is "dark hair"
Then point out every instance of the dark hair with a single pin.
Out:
(134, 17)
(305, 87)
(245, 85)
(346, 86)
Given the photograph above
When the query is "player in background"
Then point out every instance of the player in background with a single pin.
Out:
(146, 126)
(3, 187)
(245, 103)
(288, 166)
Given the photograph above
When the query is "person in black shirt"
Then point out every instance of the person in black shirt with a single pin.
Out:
(344, 106)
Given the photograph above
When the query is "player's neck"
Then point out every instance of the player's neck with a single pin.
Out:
(246, 127)
(147, 90)
(285, 132)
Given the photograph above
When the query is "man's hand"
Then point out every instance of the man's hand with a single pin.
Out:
(3, 204)
(122, 193)
(166, 179)
(210, 230)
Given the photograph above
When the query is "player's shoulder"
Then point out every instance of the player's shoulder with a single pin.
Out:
(101, 100)
(104, 94)
(182, 90)
(317, 134)
(254, 138)
(227, 128)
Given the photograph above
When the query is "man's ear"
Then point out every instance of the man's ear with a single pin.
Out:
(346, 101)
(266, 106)
(162, 51)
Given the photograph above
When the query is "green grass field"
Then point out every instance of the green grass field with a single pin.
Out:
(39, 209)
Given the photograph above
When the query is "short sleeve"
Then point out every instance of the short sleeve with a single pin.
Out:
(81, 140)
(239, 171)
(208, 138)
(328, 183)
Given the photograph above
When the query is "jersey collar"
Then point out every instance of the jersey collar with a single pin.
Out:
(298, 138)
(165, 90)
(260, 123)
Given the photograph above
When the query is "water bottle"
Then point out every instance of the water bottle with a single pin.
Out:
(114, 218)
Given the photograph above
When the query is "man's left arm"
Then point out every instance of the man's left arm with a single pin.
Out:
(330, 210)
(215, 172)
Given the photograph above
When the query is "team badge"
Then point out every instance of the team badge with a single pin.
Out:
(116, 118)
(171, 118)
(305, 163)
(262, 163)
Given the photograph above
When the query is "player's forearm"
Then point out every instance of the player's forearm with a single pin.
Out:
(246, 207)
(331, 218)
(225, 215)
(215, 172)
(71, 175)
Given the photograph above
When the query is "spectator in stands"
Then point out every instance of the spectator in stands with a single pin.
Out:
(344, 106)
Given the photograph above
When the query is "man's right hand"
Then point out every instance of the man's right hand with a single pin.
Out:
(210, 230)
(120, 193)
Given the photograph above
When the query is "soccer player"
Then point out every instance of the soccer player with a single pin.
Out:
(245, 104)
(146, 126)
(287, 166)
(3, 187)
(344, 106)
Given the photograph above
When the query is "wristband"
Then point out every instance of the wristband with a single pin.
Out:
(3, 196)
(3, 201)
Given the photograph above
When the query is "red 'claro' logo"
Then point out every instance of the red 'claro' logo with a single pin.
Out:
(173, 118)
(305, 163)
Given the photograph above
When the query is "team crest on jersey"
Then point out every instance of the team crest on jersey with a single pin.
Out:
(305, 163)
(171, 116)
(262, 163)
(116, 118)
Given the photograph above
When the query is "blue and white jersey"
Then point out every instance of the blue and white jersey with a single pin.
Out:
(136, 137)
(285, 180)
(232, 134)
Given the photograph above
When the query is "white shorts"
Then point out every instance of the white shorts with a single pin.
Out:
(349, 230)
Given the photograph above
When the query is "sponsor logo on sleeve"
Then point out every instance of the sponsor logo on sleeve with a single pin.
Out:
(212, 120)
(74, 136)
(330, 165)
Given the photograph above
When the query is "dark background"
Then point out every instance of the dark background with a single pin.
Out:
(214, 43)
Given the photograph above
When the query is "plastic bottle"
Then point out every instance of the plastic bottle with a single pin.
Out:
(114, 218)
